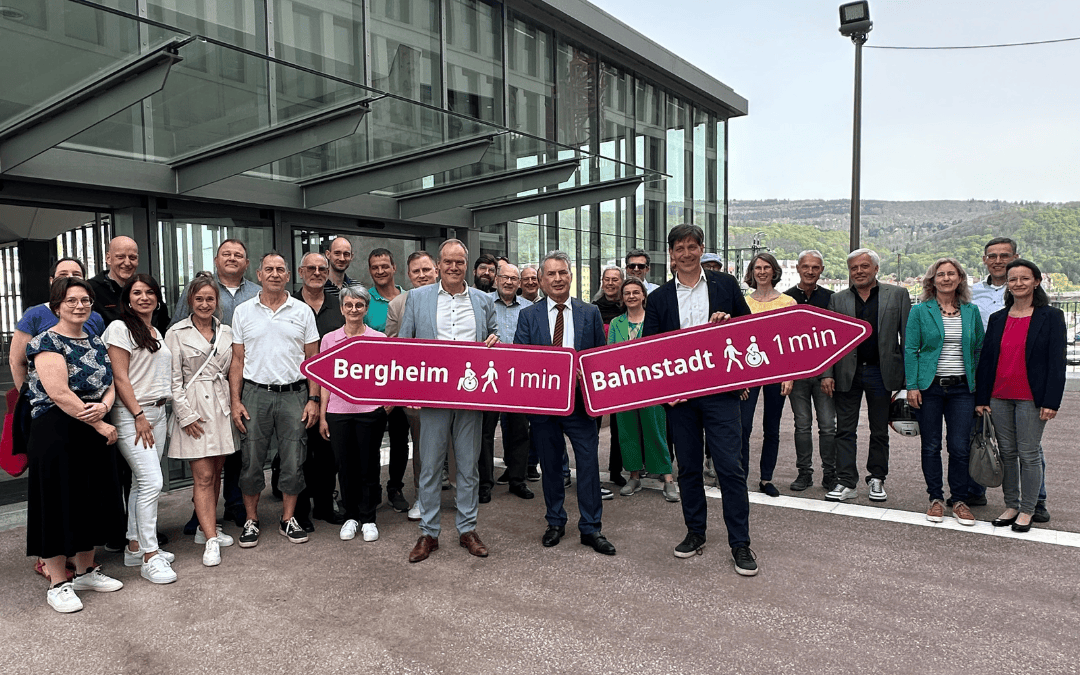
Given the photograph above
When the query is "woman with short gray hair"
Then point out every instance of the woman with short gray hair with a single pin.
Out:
(355, 431)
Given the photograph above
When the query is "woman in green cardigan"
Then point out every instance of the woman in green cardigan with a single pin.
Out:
(642, 432)
(941, 350)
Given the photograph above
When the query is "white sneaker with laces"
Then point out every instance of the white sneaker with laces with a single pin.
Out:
(348, 530)
(212, 553)
(371, 533)
(157, 570)
(414, 512)
(223, 539)
(841, 494)
(877, 490)
(135, 558)
(94, 580)
(63, 598)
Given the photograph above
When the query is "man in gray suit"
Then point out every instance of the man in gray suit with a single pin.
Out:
(449, 310)
(874, 370)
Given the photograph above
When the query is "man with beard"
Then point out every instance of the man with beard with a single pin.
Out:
(340, 256)
(484, 273)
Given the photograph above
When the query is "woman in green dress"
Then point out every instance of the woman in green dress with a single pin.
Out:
(642, 432)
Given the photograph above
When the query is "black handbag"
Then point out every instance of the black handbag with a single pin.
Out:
(984, 458)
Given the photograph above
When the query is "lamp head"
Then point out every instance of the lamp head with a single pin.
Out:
(855, 18)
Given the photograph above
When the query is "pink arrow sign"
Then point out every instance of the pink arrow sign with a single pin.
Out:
(436, 374)
(785, 344)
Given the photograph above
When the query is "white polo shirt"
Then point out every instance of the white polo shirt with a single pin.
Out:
(274, 340)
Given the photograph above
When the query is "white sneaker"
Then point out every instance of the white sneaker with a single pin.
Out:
(348, 530)
(223, 539)
(414, 512)
(841, 494)
(94, 580)
(135, 558)
(63, 599)
(157, 570)
(877, 490)
(212, 553)
(371, 533)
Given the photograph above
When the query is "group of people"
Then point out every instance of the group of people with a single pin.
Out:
(102, 362)
(965, 350)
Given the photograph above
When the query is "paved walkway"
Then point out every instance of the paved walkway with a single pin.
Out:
(843, 588)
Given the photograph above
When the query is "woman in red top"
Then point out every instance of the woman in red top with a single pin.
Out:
(1020, 381)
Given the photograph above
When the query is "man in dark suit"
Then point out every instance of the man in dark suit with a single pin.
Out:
(548, 323)
(694, 297)
(875, 369)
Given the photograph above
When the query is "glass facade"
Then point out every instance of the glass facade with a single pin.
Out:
(477, 59)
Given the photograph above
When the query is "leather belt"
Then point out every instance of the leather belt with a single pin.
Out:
(950, 380)
(299, 385)
(155, 404)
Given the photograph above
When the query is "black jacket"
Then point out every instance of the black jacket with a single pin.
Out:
(1044, 352)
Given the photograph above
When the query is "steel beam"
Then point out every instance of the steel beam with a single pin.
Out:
(486, 188)
(256, 149)
(551, 202)
(342, 185)
(82, 106)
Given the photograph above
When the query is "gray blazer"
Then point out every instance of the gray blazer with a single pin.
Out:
(421, 307)
(894, 304)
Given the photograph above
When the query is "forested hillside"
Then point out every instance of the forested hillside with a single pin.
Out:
(920, 232)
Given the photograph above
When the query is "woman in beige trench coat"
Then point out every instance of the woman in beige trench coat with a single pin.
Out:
(201, 349)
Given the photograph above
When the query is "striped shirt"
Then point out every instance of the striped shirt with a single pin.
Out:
(951, 360)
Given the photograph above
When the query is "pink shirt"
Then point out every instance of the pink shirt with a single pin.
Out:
(336, 404)
(1011, 381)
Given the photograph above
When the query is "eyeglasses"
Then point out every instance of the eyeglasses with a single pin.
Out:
(76, 302)
(506, 278)
(317, 269)
(999, 256)
(637, 266)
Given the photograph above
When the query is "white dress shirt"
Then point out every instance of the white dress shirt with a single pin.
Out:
(693, 301)
(568, 323)
(455, 319)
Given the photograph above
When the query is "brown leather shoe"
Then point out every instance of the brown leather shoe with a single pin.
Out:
(425, 545)
(471, 541)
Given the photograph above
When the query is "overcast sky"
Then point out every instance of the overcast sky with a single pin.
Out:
(957, 124)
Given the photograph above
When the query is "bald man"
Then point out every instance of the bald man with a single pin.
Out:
(121, 263)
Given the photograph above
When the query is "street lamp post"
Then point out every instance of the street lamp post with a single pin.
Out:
(855, 23)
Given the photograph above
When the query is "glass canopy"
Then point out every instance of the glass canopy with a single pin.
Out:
(107, 83)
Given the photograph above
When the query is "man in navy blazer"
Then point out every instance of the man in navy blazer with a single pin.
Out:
(694, 297)
(449, 310)
(546, 323)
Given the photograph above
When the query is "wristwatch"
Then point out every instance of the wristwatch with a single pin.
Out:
(316, 399)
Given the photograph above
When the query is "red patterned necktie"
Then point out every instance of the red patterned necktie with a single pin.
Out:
(556, 339)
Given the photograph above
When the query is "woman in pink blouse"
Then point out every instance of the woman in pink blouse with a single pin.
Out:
(355, 431)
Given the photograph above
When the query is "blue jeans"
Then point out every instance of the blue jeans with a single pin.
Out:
(1019, 432)
(803, 393)
(955, 405)
(770, 428)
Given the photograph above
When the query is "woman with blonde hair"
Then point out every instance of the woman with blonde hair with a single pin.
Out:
(941, 350)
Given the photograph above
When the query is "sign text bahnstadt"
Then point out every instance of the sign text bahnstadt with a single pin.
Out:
(787, 344)
(442, 374)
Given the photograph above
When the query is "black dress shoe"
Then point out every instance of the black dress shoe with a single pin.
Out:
(305, 523)
(1003, 522)
(521, 490)
(485, 494)
(976, 500)
(1017, 527)
(162, 540)
(552, 535)
(236, 515)
(599, 543)
(191, 525)
(617, 478)
(329, 516)
(1041, 515)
